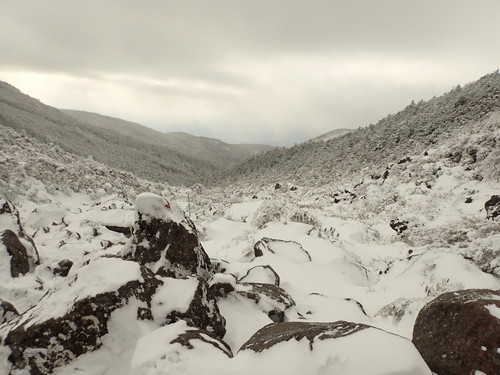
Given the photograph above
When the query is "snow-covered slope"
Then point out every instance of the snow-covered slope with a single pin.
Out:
(217, 152)
(176, 158)
(346, 266)
(369, 150)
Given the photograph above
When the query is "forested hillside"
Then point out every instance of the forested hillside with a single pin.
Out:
(371, 149)
(219, 153)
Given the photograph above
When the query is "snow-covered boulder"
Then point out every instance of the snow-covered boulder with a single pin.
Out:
(7, 311)
(492, 207)
(188, 299)
(72, 318)
(330, 348)
(221, 284)
(271, 299)
(10, 220)
(261, 274)
(459, 332)
(290, 250)
(165, 240)
(179, 349)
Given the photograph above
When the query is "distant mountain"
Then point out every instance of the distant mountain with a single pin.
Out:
(219, 153)
(330, 135)
(370, 150)
(175, 159)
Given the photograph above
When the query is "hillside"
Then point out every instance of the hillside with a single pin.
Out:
(369, 151)
(363, 267)
(330, 135)
(174, 159)
(212, 150)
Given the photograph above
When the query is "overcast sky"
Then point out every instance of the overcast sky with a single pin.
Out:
(275, 72)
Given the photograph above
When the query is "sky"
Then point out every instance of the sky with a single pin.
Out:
(275, 72)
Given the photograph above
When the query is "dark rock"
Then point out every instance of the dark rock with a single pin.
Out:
(202, 312)
(399, 226)
(277, 186)
(293, 188)
(468, 200)
(187, 338)
(262, 273)
(71, 319)
(63, 268)
(457, 334)
(271, 299)
(127, 231)
(19, 263)
(492, 207)
(165, 240)
(276, 333)
(7, 312)
(222, 284)
(288, 249)
(11, 220)
(405, 160)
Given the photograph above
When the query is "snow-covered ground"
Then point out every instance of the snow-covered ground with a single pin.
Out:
(339, 259)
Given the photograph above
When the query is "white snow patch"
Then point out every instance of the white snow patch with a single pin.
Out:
(173, 295)
(494, 310)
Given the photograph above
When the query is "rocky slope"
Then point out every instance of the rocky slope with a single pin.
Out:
(174, 159)
(355, 275)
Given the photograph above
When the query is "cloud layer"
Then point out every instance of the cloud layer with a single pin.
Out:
(274, 72)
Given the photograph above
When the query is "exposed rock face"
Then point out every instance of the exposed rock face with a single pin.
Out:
(9, 219)
(276, 333)
(71, 319)
(19, 263)
(399, 226)
(459, 332)
(165, 240)
(7, 312)
(492, 207)
(262, 274)
(195, 305)
(288, 249)
(271, 299)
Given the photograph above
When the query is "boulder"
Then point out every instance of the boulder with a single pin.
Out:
(62, 268)
(179, 348)
(7, 311)
(188, 299)
(11, 246)
(165, 240)
(399, 225)
(221, 284)
(271, 299)
(10, 220)
(261, 274)
(290, 250)
(459, 332)
(72, 318)
(492, 207)
(330, 348)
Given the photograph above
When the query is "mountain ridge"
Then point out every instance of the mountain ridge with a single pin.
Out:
(153, 161)
(371, 149)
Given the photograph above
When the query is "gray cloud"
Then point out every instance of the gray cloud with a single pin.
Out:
(256, 71)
